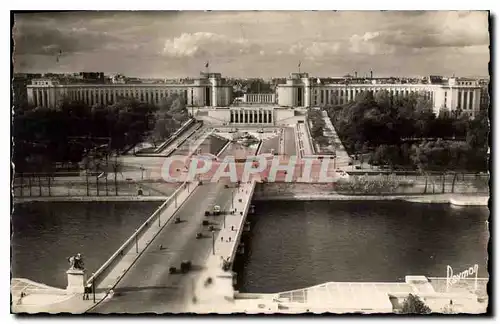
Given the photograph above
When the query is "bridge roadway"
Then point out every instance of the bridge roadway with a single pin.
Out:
(148, 286)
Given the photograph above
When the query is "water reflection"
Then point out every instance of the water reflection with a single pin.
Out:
(299, 244)
(45, 234)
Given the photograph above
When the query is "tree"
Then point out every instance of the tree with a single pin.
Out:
(178, 110)
(414, 305)
(318, 124)
(423, 105)
(43, 136)
(160, 131)
(134, 118)
(116, 165)
(171, 113)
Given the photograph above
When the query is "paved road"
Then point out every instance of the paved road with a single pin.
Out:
(238, 151)
(148, 286)
(270, 144)
(289, 137)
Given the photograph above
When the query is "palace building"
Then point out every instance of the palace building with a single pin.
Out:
(210, 90)
(302, 91)
(211, 96)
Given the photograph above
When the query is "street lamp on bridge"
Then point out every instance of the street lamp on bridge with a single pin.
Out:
(213, 242)
(142, 172)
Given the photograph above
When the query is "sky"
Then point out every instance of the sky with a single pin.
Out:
(254, 43)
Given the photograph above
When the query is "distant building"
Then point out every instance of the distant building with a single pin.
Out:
(118, 79)
(20, 83)
(19, 93)
(485, 94)
(92, 77)
(435, 79)
(456, 94)
(299, 90)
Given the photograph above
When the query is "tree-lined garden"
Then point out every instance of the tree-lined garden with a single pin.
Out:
(404, 133)
(315, 117)
(43, 136)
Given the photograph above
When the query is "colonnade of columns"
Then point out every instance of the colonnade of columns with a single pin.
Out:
(342, 96)
(40, 98)
(465, 100)
(106, 96)
(260, 98)
(251, 116)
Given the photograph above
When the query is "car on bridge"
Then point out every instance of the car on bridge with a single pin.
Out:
(214, 212)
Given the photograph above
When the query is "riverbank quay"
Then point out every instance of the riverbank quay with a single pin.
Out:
(89, 199)
(328, 191)
(54, 300)
(78, 186)
(458, 200)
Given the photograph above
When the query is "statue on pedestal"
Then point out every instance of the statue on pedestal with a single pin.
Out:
(76, 262)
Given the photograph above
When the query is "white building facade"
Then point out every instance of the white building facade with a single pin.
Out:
(301, 91)
(210, 90)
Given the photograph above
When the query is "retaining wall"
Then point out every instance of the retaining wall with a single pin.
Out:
(326, 191)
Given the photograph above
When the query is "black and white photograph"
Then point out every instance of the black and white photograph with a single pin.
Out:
(250, 162)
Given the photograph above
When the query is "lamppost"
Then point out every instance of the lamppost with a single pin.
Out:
(213, 242)
(142, 172)
(232, 199)
(192, 104)
(136, 242)
(97, 178)
(93, 287)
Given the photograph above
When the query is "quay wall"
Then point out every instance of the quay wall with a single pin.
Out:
(325, 191)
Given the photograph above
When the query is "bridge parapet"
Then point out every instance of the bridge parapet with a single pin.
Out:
(242, 205)
(220, 296)
(108, 275)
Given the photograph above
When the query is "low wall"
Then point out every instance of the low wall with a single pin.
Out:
(65, 190)
(470, 201)
(169, 142)
(181, 130)
(263, 190)
(257, 151)
(324, 191)
(89, 199)
(407, 186)
(185, 139)
(247, 202)
(312, 145)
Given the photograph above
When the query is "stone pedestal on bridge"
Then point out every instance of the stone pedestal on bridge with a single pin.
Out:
(76, 281)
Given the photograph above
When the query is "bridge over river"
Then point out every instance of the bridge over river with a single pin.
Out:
(137, 277)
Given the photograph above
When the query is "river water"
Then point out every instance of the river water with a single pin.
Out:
(45, 234)
(296, 244)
